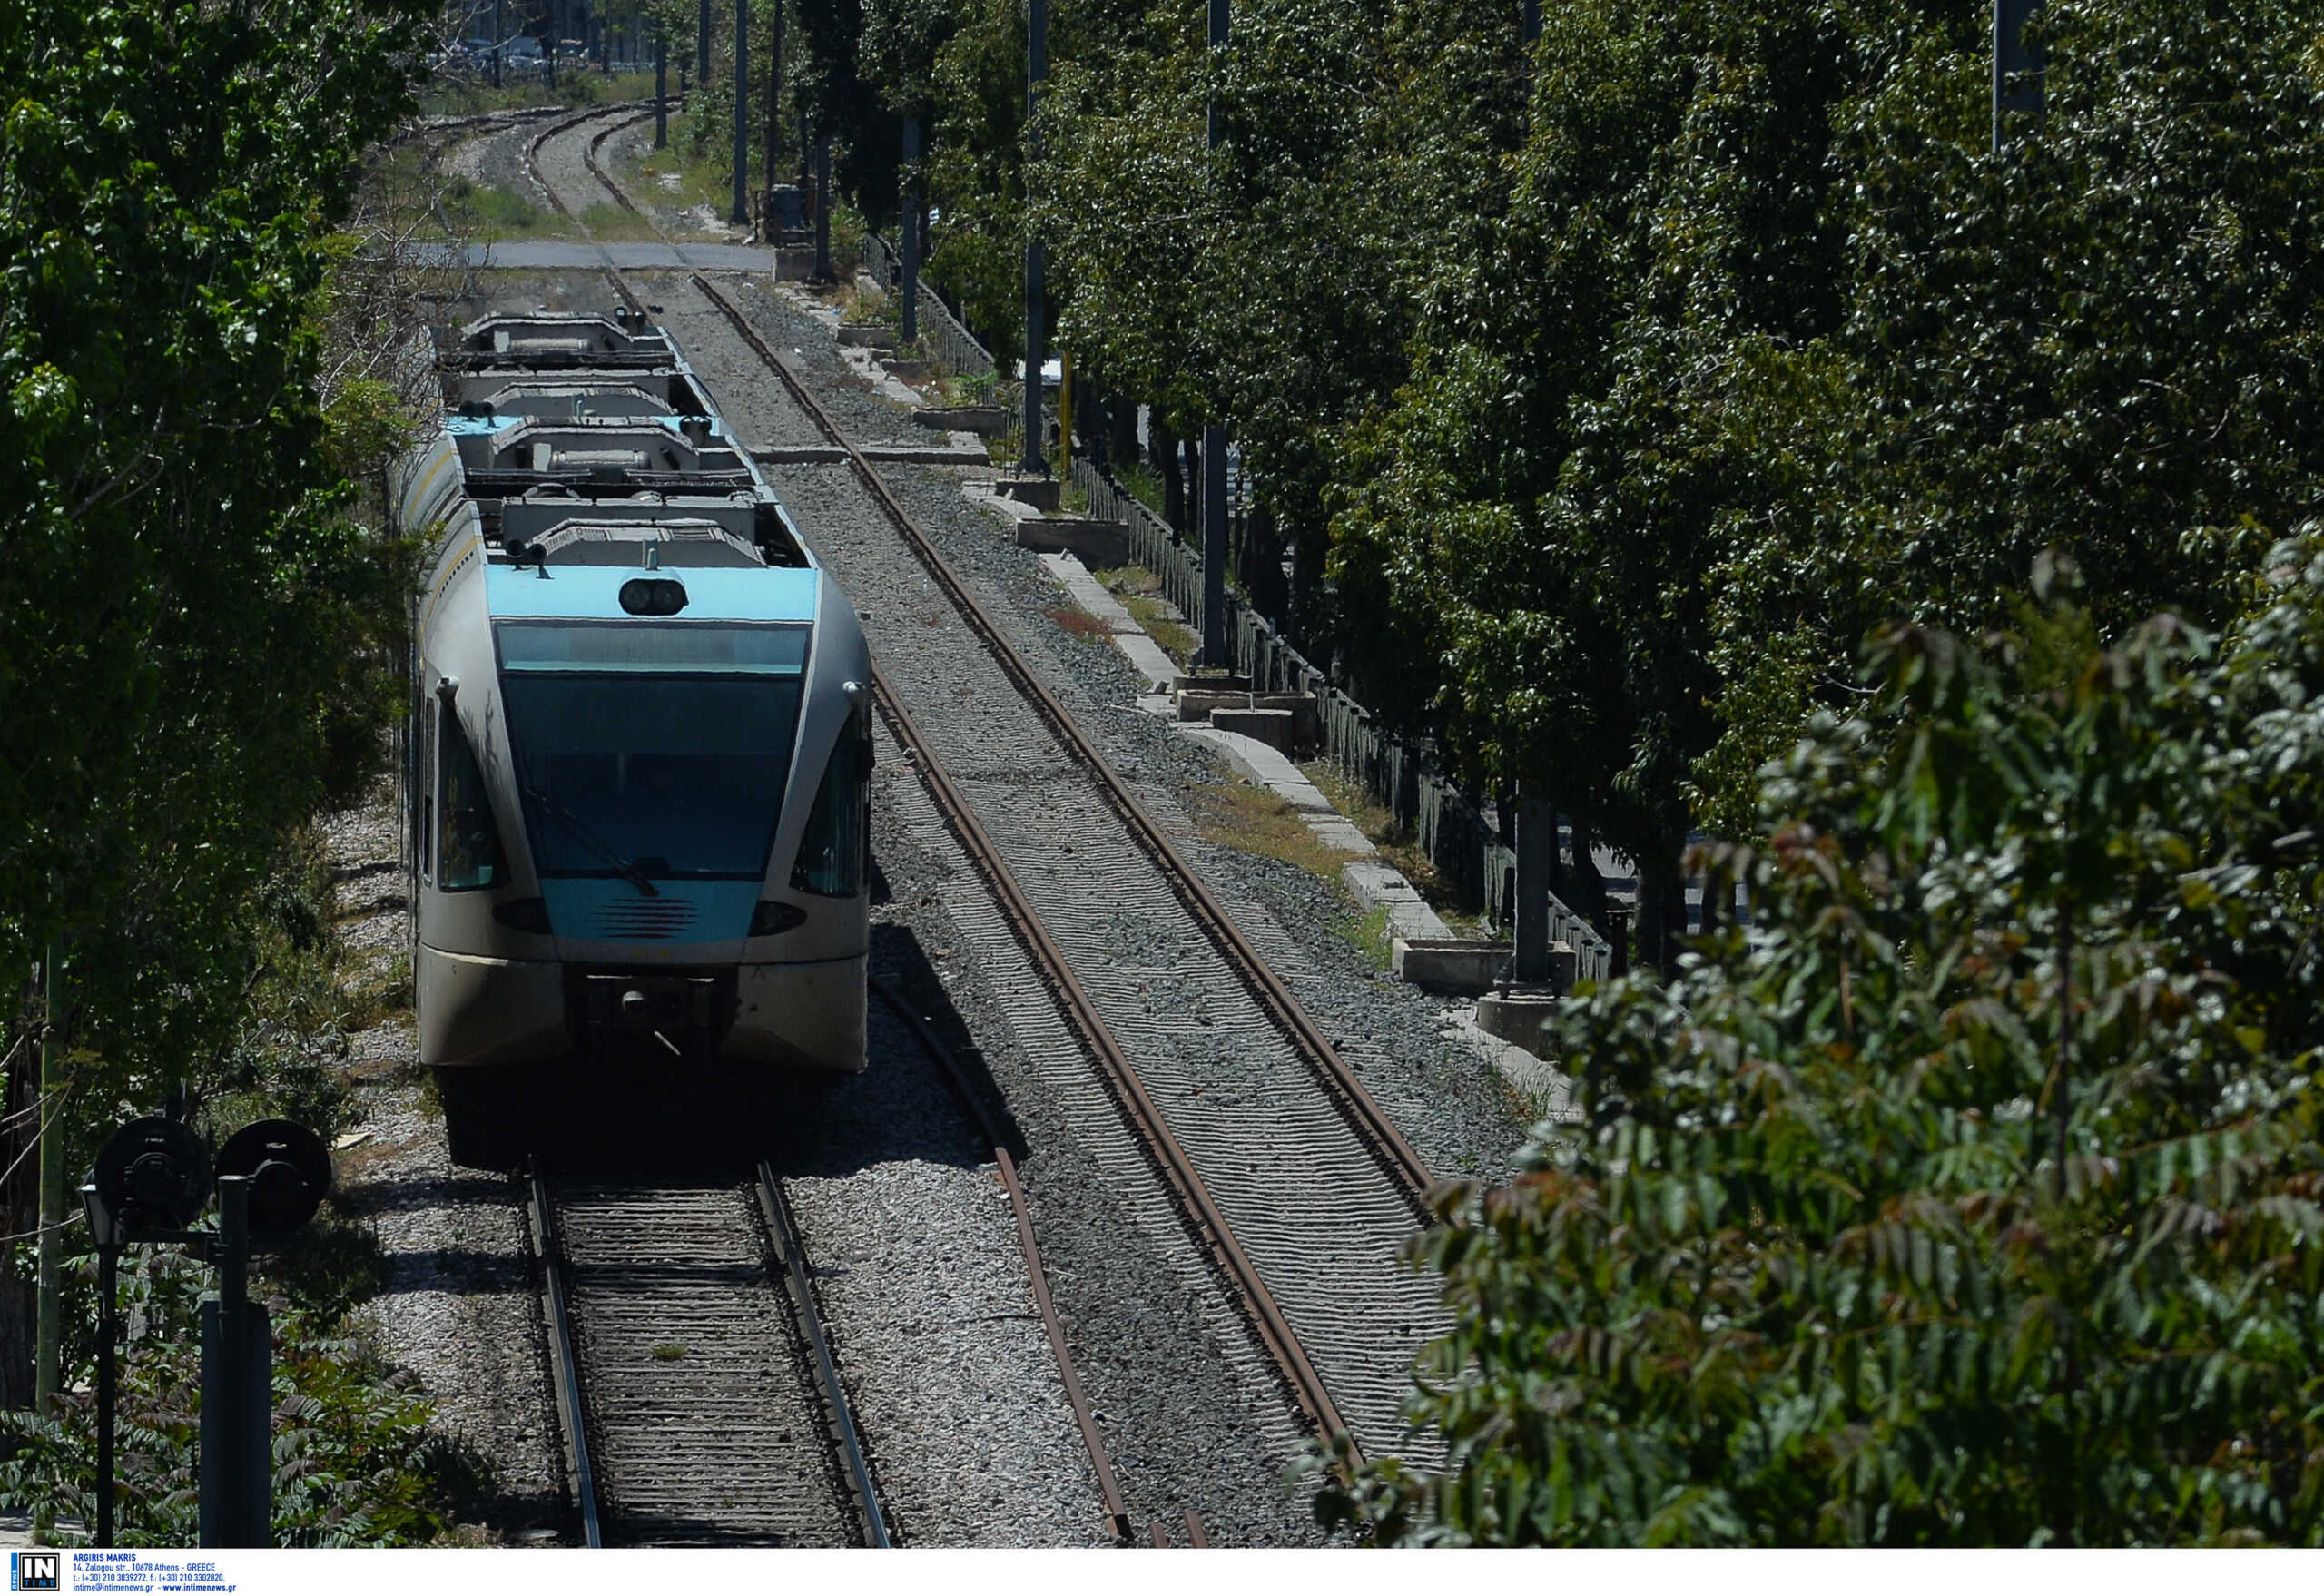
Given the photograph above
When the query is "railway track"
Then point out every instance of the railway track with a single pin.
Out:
(698, 1398)
(1301, 1206)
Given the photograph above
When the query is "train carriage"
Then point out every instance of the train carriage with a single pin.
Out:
(640, 747)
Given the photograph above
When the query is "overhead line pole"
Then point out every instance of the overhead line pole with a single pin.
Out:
(702, 48)
(1034, 457)
(1215, 654)
(2018, 72)
(908, 196)
(742, 215)
(774, 119)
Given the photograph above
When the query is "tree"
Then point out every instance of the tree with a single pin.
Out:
(1971, 1196)
(193, 627)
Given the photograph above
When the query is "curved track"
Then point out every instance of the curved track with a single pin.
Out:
(1300, 1193)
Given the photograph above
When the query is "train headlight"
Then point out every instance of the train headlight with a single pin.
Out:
(771, 919)
(652, 595)
(524, 914)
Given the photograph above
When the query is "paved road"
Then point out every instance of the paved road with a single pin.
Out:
(551, 255)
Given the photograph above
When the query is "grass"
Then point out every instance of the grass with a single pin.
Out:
(863, 306)
(669, 1351)
(1144, 483)
(1252, 820)
(1079, 623)
(699, 182)
(1371, 936)
(1140, 590)
(1397, 844)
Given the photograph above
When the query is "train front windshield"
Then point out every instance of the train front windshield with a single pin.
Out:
(652, 750)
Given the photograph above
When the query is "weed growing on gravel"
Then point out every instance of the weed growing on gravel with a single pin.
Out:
(1234, 814)
(1371, 936)
(1080, 623)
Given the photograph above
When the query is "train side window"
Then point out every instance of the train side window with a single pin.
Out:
(467, 843)
(833, 853)
(423, 808)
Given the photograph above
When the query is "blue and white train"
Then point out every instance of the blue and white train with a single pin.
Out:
(640, 742)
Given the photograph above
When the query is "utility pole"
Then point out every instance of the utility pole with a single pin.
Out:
(1037, 72)
(1529, 24)
(1215, 653)
(908, 317)
(499, 35)
(742, 215)
(2018, 72)
(702, 48)
(48, 1346)
(774, 118)
(661, 87)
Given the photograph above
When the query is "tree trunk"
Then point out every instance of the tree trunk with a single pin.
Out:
(1162, 447)
(1123, 444)
(1192, 449)
(1588, 886)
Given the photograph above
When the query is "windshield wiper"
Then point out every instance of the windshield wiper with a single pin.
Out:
(596, 843)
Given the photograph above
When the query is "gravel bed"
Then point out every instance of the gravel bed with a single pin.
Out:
(1456, 1110)
(1191, 1411)
(457, 1305)
(916, 1262)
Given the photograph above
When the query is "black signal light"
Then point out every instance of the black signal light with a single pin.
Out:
(652, 595)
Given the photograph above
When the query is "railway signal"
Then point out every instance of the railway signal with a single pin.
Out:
(151, 1183)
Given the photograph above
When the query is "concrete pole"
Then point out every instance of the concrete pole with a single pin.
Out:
(701, 47)
(49, 1343)
(823, 211)
(1034, 457)
(1537, 841)
(908, 317)
(774, 115)
(500, 33)
(1530, 22)
(1064, 416)
(660, 88)
(1215, 651)
(2017, 71)
(742, 215)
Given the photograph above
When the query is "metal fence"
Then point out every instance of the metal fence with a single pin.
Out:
(948, 340)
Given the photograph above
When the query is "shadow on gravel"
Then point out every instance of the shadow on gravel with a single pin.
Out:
(688, 1123)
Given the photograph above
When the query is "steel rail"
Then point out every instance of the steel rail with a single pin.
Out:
(1356, 1103)
(1084, 1416)
(563, 1366)
(566, 124)
(793, 1260)
(1398, 1159)
(1081, 1012)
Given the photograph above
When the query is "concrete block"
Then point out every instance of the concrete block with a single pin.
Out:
(1273, 727)
(1455, 966)
(1302, 706)
(1100, 545)
(794, 264)
(868, 336)
(984, 420)
(1517, 1017)
(1199, 704)
(1341, 836)
(907, 370)
(1041, 492)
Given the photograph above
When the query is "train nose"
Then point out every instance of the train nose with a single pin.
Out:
(643, 1009)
